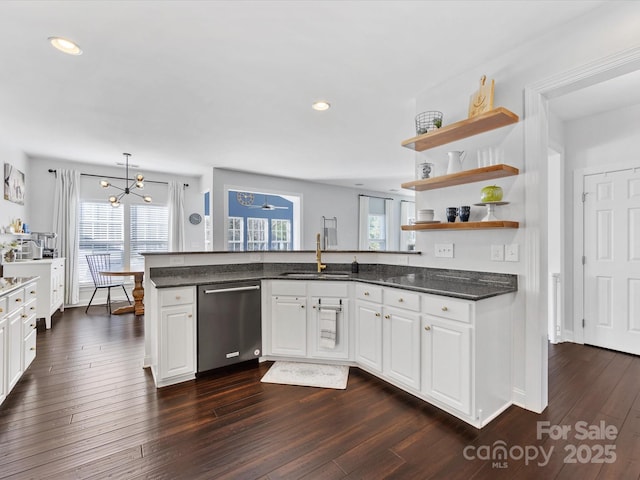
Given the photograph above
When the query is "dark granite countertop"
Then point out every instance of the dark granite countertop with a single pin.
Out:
(9, 284)
(462, 284)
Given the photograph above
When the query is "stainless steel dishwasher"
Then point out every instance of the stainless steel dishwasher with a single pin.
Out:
(229, 324)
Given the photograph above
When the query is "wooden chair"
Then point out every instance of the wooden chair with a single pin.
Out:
(101, 263)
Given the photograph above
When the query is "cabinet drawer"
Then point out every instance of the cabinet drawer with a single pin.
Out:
(289, 288)
(402, 299)
(28, 325)
(176, 296)
(447, 307)
(30, 292)
(328, 289)
(370, 293)
(29, 346)
(15, 300)
(3, 307)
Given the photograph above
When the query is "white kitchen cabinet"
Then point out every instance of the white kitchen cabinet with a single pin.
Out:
(333, 298)
(16, 308)
(176, 336)
(446, 362)
(50, 285)
(29, 331)
(368, 327)
(14, 340)
(4, 321)
(401, 346)
(288, 325)
(466, 355)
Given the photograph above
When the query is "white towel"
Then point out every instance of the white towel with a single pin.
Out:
(328, 328)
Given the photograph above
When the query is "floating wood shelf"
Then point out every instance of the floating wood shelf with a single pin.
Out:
(496, 118)
(462, 225)
(467, 176)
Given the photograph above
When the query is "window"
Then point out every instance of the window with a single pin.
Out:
(235, 234)
(280, 234)
(257, 234)
(101, 230)
(377, 230)
(149, 231)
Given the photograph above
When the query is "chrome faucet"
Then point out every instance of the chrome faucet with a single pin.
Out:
(321, 267)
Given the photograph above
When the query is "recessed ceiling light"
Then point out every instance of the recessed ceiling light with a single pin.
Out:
(66, 46)
(358, 184)
(320, 105)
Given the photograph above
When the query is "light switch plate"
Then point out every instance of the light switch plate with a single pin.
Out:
(497, 253)
(511, 253)
(444, 250)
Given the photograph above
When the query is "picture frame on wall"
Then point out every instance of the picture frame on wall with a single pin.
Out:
(13, 184)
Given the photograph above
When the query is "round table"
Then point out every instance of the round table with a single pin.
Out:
(138, 290)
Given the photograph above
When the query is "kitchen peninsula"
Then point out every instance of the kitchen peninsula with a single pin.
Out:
(441, 335)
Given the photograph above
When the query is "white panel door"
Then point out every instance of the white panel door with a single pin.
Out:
(612, 260)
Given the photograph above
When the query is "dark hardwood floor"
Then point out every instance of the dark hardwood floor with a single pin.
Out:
(87, 409)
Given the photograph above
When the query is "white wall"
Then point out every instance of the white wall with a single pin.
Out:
(607, 139)
(317, 200)
(41, 184)
(605, 31)
(10, 211)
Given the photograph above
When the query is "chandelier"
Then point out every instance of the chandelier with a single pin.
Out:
(137, 182)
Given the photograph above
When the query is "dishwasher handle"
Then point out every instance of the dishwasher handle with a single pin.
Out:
(234, 289)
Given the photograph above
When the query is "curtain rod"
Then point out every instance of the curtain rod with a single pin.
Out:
(373, 196)
(53, 170)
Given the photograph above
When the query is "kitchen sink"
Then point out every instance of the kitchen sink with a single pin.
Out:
(313, 275)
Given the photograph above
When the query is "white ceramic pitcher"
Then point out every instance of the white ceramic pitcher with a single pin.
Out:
(455, 161)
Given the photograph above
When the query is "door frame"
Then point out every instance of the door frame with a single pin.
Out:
(536, 140)
(578, 238)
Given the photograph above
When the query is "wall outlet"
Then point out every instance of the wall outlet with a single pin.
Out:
(444, 250)
(497, 253)
(511, 253)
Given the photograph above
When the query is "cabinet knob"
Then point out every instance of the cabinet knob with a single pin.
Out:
(33, 325)
(427, 328)
(301, 306)
(32, 348)
(377, 314)
(32, 308)
(313, 306)
(444, 309)
(33, 292)
(177, 297)
(18, 299)
(366, 294)
(189, 316)
(23, 316)
(400, 300)
(1, 310)
(387, 316)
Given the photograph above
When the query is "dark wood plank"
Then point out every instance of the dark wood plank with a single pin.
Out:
(86, 409)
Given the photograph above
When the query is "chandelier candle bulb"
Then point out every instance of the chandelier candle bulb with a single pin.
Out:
(137, 182)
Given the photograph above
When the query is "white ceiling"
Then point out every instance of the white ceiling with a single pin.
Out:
(189, 85)
(619, 92)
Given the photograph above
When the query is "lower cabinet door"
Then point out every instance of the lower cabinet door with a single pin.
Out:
(401, 346)
(3, 358)
(446, 362)
(178, 349)
(369, 335)
(29, 347)
(14, 346)
(288, 326)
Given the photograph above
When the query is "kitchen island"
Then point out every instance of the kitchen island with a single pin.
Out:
(441, 335)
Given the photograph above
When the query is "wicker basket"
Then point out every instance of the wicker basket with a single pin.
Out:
(428, 121)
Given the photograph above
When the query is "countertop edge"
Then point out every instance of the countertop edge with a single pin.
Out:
(172, 283)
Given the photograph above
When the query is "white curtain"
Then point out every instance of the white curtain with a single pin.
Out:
(363, 224)
(391, 224)
(66, 210)
(176, 217)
